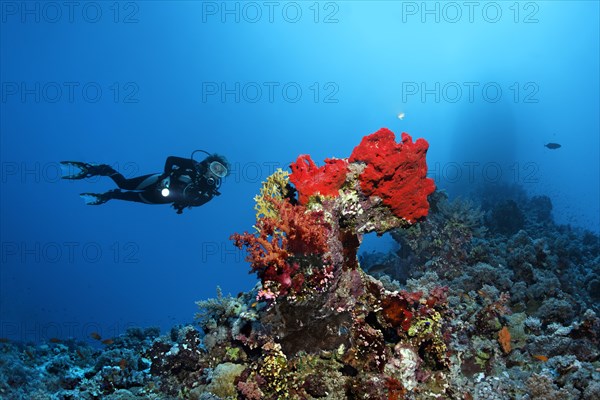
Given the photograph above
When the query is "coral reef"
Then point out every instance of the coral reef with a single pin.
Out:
(449, 237)
(518, 289)
(319, 301)
(485, 298)
(75, 370)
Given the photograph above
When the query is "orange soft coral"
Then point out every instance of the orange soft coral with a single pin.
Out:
(294, 234)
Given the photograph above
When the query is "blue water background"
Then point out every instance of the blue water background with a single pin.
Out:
(68, 269)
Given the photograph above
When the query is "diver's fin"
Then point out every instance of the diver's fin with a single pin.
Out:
(93, 199)
(86, 170)
(81, 171)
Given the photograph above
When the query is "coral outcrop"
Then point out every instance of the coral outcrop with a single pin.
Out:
(318, 302)
(485, 298)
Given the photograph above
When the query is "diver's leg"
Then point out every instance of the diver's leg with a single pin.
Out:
(88, 170)
(95, 199)
(138, 183)
(85, 170)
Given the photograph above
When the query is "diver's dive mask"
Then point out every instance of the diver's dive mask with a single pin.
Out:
(218, 169)
(215, 172)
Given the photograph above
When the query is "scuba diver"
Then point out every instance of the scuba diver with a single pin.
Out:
(185, 182)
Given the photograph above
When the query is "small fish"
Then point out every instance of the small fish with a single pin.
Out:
(123, 364)
(553, 146)
(540, 357)
(95, 336)
(4, 340)
(55, 340)
(401, 116)
(108, 342)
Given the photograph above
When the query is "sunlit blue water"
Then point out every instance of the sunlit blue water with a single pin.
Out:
(487, 84)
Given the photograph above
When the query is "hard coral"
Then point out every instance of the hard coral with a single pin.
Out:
(395, 172)
(276, 186)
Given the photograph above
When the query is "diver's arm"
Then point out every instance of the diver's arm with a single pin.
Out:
(178, 207)
(179, 162)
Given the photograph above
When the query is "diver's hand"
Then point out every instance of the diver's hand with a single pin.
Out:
(178, 207)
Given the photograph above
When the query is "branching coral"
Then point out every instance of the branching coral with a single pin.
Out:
(464, 214)
(217, 308)
(445, 240)
(277, 186)
(295, 238)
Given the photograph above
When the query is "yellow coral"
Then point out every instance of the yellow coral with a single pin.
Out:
(276, 186)
(273, 369)
(425, 326)
(429, 328)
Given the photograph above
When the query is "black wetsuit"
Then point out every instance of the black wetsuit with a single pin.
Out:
(188, 182)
